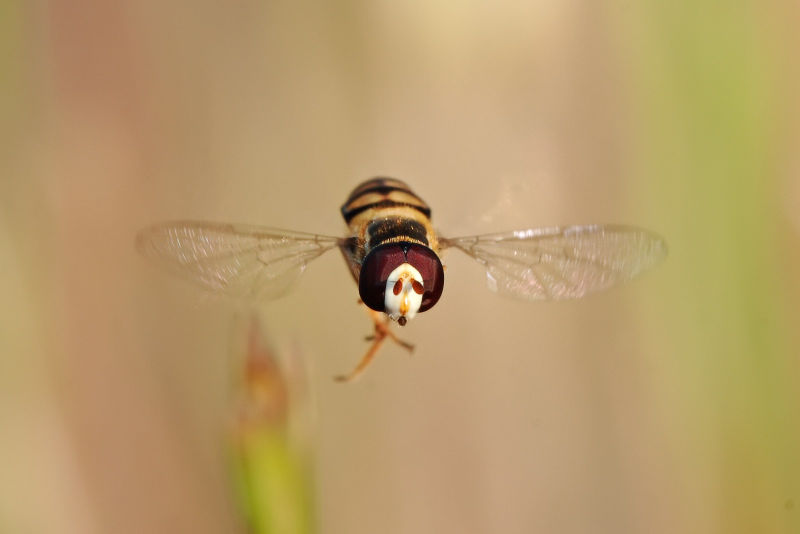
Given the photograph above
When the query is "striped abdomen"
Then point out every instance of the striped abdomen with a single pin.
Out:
(383, 210)
(379, 194)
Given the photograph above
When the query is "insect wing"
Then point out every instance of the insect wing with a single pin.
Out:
(562, 262)
(232, 259)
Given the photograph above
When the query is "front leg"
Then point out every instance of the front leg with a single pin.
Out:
(382, 331)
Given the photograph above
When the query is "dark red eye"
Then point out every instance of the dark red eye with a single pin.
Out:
(375, 270)
(382, 260)
(429, 266)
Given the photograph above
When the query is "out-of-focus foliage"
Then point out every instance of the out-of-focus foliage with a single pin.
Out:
(714, 109)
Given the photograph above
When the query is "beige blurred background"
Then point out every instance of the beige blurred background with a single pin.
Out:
(668, 405)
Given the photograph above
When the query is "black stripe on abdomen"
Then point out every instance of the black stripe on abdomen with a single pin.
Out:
(348, 214)
(392, 228)
(379, 185)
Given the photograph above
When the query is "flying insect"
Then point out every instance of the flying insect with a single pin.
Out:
(393, 253)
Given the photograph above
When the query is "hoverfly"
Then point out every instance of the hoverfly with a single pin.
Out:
(393, 253)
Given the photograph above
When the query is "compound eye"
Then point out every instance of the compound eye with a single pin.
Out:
(375, 271)
(430, 268)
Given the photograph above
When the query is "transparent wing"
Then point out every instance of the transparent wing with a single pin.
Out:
(233, 259)
(563, 262)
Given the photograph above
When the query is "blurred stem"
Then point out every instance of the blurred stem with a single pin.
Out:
(273, 483)
(271, 473)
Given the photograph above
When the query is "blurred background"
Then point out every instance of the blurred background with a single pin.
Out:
(667, 405)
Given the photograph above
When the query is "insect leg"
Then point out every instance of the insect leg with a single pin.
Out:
(364, 363)
(382, 331)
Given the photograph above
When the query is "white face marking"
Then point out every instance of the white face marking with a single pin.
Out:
(407, 302)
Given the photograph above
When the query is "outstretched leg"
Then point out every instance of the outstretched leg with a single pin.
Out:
(382, 331)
